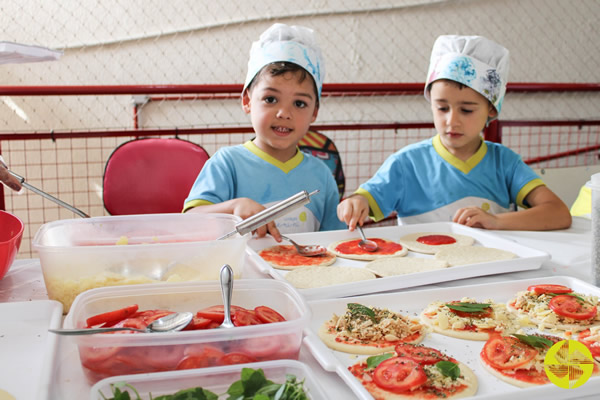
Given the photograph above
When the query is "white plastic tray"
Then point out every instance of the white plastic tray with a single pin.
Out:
(466, 351)
(24, 330)
(528, 259)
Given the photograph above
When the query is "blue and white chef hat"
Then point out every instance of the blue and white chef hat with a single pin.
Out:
(294, 44)
(474, 61)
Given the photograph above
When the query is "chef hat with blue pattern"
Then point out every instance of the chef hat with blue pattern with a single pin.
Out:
(284, 43)
(474, 61)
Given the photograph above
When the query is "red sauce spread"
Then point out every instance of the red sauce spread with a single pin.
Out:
(436, 240)
(288, 256)
(384, 247)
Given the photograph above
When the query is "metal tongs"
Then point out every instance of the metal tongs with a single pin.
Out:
(42, 193)
(275, 211)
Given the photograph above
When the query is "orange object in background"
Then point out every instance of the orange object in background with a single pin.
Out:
(11, 232)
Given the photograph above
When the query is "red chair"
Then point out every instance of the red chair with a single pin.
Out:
(151, 175)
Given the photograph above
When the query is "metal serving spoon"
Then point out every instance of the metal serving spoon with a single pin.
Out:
(308, 250)
(169, 323)
(366, 244)
(226, 291)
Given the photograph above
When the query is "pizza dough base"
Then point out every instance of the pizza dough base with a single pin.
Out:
(325, 262)
(535, 321)
(470, 390)
(314, 277)
(329, 340)
(404, 265)
(507, 379)
(410, 241)
(464, 255)
(366, 257)
(466, 335)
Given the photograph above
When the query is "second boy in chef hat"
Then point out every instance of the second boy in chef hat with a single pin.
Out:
(456, 175)
(281, 94)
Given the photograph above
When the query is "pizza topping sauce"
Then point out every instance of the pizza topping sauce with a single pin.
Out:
(385, 247)
(287, 255)
(436, 240)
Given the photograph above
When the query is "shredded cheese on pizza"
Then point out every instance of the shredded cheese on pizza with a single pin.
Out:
(386, 325)
(436, 379)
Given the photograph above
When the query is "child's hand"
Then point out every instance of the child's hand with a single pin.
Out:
(245, 208)
(475, 217)
(353, 210)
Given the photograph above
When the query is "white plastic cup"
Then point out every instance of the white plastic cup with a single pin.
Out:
(594, 184)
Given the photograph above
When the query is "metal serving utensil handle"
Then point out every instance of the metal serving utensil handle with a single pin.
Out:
(275, 211)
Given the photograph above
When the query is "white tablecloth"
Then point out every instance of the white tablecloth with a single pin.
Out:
(570, 252)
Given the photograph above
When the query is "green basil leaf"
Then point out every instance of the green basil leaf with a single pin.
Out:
(374, 361)
(449, 369)
(534, 341)
(468, 307)
(359, 309)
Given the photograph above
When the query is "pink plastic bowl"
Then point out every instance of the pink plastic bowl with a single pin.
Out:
(11, 232)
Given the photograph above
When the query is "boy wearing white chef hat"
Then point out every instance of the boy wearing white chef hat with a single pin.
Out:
(281, 94)
(456, 175)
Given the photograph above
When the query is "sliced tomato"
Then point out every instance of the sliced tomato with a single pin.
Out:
(399, 374)
(507, 352)
(263, 347)
(111, 317)
(156, 358)
(543, 289)
(236, 358)
(268, 315)
(421, 354)
(198, 323)
(216, 313)
(571, 307)
(244, 318)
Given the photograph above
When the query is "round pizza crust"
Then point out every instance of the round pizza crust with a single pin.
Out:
(404, 265)
(410, 241)
(364, 349)
(303, 261)
(464, 255)
(369, 256)
(466, 335)
(314, 277)
(507, 379)
(470, 390)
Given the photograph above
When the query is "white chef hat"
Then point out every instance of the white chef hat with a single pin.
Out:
(474, 61)
(294, 44)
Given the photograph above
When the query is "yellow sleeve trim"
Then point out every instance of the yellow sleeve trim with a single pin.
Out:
(525, 190)
(583, 204)
(195, 203)
(374, 211)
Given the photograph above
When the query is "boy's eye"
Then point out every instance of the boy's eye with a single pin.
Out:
(443, 109)
(270, 100)
(466, 111)
(300, 103)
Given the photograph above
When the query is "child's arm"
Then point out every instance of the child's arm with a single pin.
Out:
(353, 210)
(243, 207)
(547, 212)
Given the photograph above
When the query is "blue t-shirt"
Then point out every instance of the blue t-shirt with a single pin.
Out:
(247, 171)
(424, 182)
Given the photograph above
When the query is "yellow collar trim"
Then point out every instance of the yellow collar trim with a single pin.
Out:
(463, 166)
(285, 167)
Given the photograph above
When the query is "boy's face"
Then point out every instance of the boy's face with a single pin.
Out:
(281, 109)
(459, 116)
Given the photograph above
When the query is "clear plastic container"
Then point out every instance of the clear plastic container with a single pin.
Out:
(216, 379)
(105, 355)
(86, 253)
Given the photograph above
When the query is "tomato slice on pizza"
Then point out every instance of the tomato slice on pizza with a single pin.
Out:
(370, 330)
(349, 248)
(415, 372)
(287, 257)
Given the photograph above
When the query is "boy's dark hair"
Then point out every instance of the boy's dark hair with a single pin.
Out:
(280, 68)
(460, 85)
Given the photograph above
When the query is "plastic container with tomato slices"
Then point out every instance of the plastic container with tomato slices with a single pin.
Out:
(215, 379)
(110, 354)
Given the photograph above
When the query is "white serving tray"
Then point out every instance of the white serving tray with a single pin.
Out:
(466, 351)
(24, 331)
(528, 258)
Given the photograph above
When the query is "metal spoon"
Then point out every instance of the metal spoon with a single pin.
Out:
(169, 323)
(226, 291)
(308, 250)
(366, 244)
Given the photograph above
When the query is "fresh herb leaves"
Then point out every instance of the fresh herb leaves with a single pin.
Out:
(359, 309)
(448, 368)
(374, 361)
(534, 341)
(468, 307)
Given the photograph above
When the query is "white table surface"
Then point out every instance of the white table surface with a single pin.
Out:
(570, 252)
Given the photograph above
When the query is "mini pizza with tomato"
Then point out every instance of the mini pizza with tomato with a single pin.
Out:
(469, 319)
(432, 242)
(519, 359)
(350, 249)
(287, 257)
(556, 307)
(370, 330)
(591, 338)
(415, 372)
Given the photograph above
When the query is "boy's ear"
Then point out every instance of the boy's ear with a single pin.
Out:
(493, 112)
(246, 102)
(315, 113)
